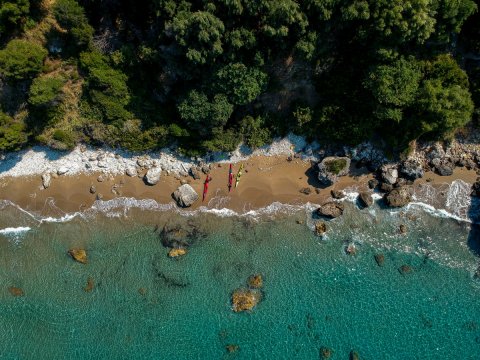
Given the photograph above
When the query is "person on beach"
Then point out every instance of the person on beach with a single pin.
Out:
(205, 186)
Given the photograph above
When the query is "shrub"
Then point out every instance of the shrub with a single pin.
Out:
(254, 133)
(45, 90)
(13, 134)
(335, 166)
(21, 59)
(64, 137)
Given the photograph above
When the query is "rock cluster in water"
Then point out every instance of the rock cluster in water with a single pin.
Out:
(246, 299)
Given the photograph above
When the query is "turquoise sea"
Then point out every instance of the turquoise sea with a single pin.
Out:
(145, 305)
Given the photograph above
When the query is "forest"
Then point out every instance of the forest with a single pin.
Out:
(205, 75)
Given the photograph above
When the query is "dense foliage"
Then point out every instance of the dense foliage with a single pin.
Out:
(208, 74)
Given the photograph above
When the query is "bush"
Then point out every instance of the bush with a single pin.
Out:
(45, 90)
(254, 133)
(21, 59)
(13, 134)
(335, 166)
(71, 16)
(64, 137)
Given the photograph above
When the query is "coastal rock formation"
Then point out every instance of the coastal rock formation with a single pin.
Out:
(255, 281)
(320, 228)
(389, 174)
(62, 170)
(245, 299)
(398, 197)
(337, 194)
(185, 196)
(15, 291)
(331, 209)
(79, 255)
(176, 252)
(152, 176)
(325, 352)
(131, 171)
(46, 180)
(412, 169)
(380, 259)
(365, 199)
(331, 168)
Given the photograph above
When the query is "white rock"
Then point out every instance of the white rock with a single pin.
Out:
(102, 164)
(153, 175)
(62, 170)
(185, 195)
(46, 180)
(131, 171)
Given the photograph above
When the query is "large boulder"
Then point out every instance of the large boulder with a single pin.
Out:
(46, 180)
(398, 197)
(365, 199)
(62, 170)
(331, 209)
(444, 170)
(412, 169)
(331, 168)
(185, 195)
(389, 174)
(152, 176)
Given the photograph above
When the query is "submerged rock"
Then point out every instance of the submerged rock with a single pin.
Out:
(16, 291)
(331, 209)
(176, 252)
(245, 299)
(185, 195)
(320, 228)
(365, 199)
(79, 255)
(403, 229)
(152, 177)
(405, 269)
(331, 168)
(255, 281)
(46, 180)
(354, 355)
(398, 197)
(89, 286)
(325, 352)
(232, 348)
(351, 249)
(380, 259)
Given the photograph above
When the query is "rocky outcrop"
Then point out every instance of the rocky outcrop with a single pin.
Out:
(389, 173)
(476, 188)
(354, 355)
(245, 299)
(255, 281)
(365, 199)
(351, 249)
(152, 177)
(176, 252)
(46, 180)
(372, 183)
(185, 196)
(79, 255)
(412, 169)
(398, 197)
(331, 210)
(320, 228)
(331, 168)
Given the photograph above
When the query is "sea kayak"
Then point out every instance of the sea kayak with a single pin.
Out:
(239, 175)
(205, 187)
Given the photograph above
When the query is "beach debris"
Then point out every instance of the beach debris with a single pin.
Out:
(176, 252)
(185, 195)
(337, 194)
(255, 281)
(79, 255)
(398, 197)
(320, 228)
(131, 171)
(403, 229)
(354, 355)
(306, 190)
(389, 173)
(331, 168)
(351, 249)
(412, 169)
(93, 189)
(325, 352)
(405, 269)
(152, 177)
(62, 170)
(90, 285)
(365, 199)
(46, 180)
(331, 209)
(245, 299)
(16, 291)
(380, 259)
(232, 348)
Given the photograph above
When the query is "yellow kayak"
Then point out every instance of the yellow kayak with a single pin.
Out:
(239, 174)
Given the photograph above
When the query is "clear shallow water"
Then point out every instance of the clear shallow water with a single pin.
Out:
(314, 295)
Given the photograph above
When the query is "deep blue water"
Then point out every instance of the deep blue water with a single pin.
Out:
(314, 293)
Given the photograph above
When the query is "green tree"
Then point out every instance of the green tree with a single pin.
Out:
(241, 84)
(13, 134)
(46, 90)
(254, 132)
(71, 16)
(21, 59)
(12, 13)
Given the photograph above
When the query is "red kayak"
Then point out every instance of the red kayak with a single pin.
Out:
(205, 187)
(230, 178)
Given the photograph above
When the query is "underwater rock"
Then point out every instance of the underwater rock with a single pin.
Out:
(255, 281)
(176, 252)
(90, 285)
(398, 197)
(79, 255)
(403, 229)
(185, 196)
(232, 348)
(354, 355)
(331, 209)
(365, 199)
(142, 291)
(351, 249)
(245, 299)
(152, 177)
(179, 237)
(15, 291)
(337, 194)
(325, 352)
(320, 228)
(405, 269)
(380, 259)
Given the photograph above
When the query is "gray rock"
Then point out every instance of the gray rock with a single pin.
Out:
(185, 195)
(195, 173)
(372, 183)
(63, 170)
(398, 197)
(152, 176)
(389, 174)
(444, 170)
(131, 171)
(331, 209)
(46, 180)
(331, 168)
(412, 169)
(365, 199)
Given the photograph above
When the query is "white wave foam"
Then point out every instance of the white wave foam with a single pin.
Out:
(14, 231)
(435, 212)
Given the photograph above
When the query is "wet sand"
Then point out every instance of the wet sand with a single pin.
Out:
(264, 181)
